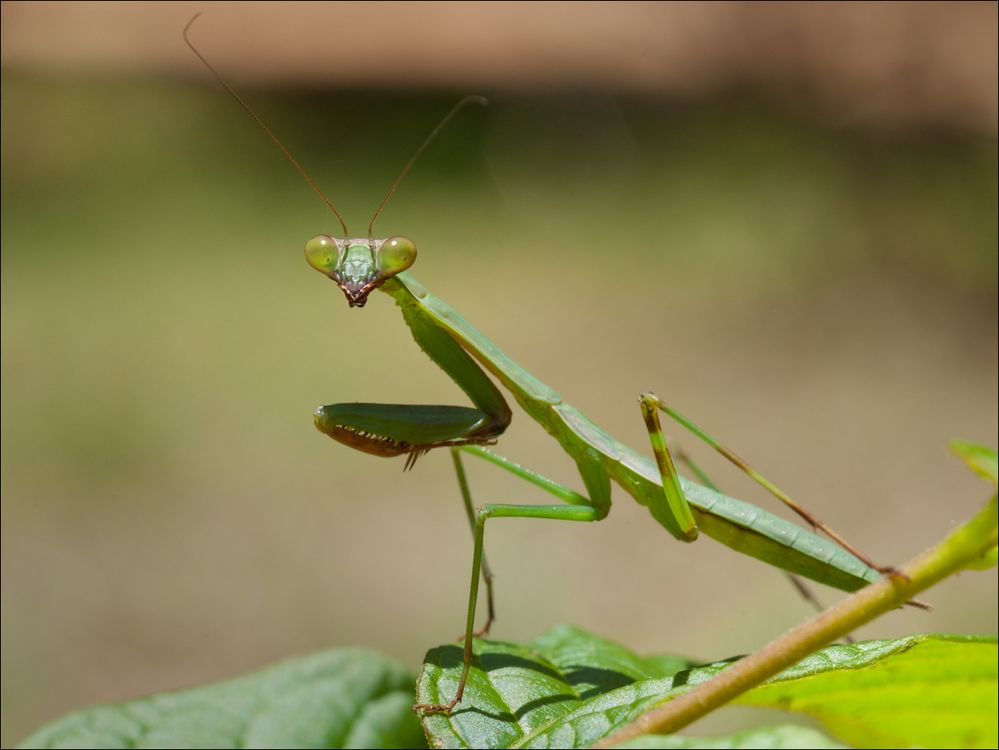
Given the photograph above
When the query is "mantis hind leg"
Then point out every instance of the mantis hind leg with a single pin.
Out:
(652, 403)
(814, 522)
(803, 589)
(677, 506)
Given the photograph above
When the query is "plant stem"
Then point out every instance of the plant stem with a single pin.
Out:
(963, 545)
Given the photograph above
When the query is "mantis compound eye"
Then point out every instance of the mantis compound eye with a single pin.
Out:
(395, 255)
(322, 253)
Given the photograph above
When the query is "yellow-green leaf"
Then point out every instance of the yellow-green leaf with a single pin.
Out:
(981, 460)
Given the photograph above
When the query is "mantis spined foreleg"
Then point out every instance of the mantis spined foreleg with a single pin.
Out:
(362, 265)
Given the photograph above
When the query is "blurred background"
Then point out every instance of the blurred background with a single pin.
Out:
(780, 217)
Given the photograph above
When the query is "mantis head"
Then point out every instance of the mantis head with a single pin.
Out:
(359, 266)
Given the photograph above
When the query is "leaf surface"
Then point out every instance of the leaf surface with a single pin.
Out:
(766, 738)
(333, 699)
(568, 688)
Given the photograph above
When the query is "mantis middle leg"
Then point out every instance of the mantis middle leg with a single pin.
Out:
(578, 508)
(487, 574)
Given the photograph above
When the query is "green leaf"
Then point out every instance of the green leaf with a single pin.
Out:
(570, 689)
(518, 691)
(981, 460)
(984, 462)
(339, 698)
(575, 650)
(765, 738)
(566, 688)
(930, 691)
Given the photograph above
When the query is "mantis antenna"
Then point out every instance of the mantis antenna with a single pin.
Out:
(245, 106)
(433, 134)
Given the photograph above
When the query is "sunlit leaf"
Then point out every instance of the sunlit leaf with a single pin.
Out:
(764, 738)
(570, 689)
(930, 691)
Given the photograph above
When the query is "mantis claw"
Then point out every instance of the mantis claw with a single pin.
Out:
(900, 577)
(435, 708)
(481, 632)
(892, 572)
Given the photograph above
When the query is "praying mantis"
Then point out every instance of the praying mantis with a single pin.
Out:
(365, 264)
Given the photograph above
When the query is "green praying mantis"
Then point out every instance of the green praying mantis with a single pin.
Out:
(362, 265)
